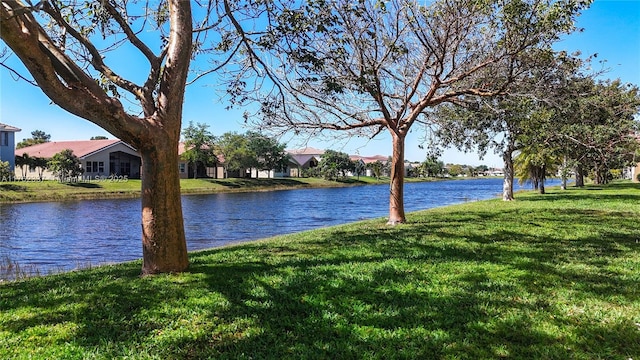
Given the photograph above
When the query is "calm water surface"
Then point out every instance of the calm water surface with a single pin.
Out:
(60, 236)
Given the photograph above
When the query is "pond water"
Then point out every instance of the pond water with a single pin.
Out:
(61, 236)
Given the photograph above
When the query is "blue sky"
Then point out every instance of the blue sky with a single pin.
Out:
(611, 29)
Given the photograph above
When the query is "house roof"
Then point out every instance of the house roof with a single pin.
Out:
(302, 159)
(369, 159)
(9, 128)
(306, 151)
(80, 148)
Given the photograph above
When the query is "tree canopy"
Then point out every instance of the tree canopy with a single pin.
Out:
(251, 150)
(268, 152)
(334, 165)
(368, 67)
(199, 144)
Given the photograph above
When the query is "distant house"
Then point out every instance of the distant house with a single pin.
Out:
(366, 160)
(218, 171)
(494, 172)
(99, 158)
(301, 159)
(8, 144)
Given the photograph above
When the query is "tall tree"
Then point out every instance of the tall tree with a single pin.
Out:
(367, 67)
(600, 126)
(269, 153)
(238, 156)
(490, 123)
(335, 164)
(199, 145)
(59, 44)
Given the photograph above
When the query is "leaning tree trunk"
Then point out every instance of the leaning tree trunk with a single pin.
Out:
(507, 185)
(164, 247)
(68, 84)
(396, 187)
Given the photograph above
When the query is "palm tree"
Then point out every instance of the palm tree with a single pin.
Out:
(23, 162)
(534, 163)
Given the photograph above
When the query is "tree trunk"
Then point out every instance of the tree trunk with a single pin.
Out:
(563, 172)
(543, 170)
(597, 175)
(579, 176)
(507, 185)
(164, 248)
(396, 188)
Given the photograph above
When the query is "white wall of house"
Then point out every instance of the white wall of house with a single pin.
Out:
(263, 174)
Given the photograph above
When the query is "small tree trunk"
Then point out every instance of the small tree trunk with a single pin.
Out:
(542, 177)
(579, 176)
(164, 248)
(597, 175)
(396, 188)
(563, 173)
(507, 185)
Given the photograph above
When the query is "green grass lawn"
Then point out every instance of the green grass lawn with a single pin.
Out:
(544, 277)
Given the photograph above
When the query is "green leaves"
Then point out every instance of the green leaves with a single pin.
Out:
(199, 147)
(65, 165)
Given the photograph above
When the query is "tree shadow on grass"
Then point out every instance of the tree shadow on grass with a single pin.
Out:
(85, 185)
(423, 291)
(13, 187)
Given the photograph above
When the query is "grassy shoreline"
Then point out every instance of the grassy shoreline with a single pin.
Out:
(51, 190)
(543, 277)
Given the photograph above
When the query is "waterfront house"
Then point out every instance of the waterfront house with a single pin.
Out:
(99, 158)
(217, 171)
(300, 160)
(367, 160)
(8, 144)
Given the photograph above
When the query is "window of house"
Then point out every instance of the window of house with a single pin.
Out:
(183, 168)
(100, 166)
(89, 168)
(4, 138)
(125, 168)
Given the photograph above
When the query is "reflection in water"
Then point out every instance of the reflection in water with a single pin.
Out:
(60, 236)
